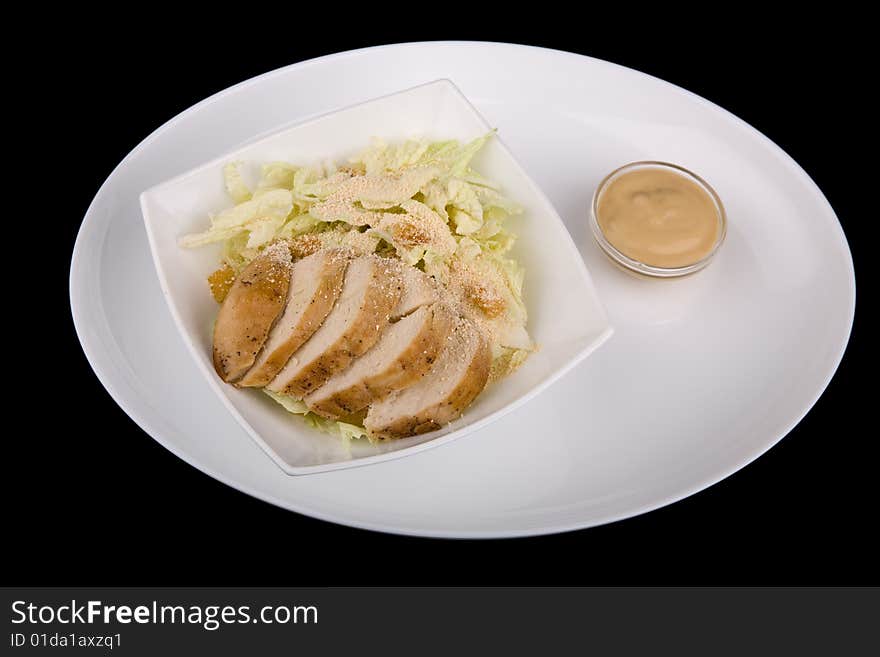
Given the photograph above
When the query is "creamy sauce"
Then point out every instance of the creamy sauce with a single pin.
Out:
(658, 217)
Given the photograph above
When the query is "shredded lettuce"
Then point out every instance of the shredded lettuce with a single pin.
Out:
(420, 200)
(260, 217)
(235, 186)
(276, 175)
(347, 432)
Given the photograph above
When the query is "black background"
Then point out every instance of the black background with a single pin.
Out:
(73, 514)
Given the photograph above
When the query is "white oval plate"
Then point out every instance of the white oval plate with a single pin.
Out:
(703, 374)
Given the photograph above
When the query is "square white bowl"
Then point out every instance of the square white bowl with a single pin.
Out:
(566, 318)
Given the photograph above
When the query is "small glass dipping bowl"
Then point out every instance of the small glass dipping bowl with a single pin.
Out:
(640, 267)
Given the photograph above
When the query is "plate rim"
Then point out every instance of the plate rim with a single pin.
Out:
(90, 350)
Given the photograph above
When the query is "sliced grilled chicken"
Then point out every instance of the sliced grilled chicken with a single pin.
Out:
(370, 293)
(249, 311)
(440, 396)
(419, 289)
(403, 354)
(315, 285)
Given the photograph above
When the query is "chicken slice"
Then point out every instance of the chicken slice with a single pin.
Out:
(369, 294)
(315, 285)
(403, 354)
(249, 311)
(441, 395)
(419, 289)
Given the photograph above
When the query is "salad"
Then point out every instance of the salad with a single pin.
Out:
(420, 202)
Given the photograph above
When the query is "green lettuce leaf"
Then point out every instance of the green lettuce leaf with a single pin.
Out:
(248, 215)
(235, 186)
(347, 432)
